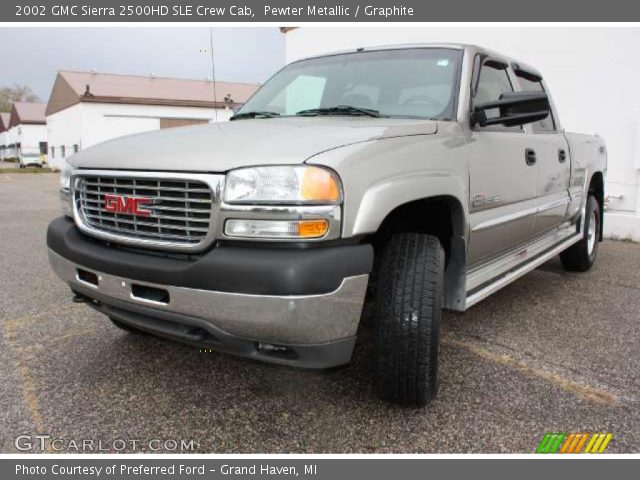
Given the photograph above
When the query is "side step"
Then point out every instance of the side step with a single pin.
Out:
(505, 279)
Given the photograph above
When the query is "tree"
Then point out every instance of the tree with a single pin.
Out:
(17, 93)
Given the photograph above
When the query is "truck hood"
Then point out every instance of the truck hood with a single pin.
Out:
(219, 147)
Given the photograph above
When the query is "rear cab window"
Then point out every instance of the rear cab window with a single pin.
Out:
(529, 83)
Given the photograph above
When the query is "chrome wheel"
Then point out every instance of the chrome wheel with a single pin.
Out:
(592, 233)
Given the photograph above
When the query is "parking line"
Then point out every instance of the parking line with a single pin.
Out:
(592, 394)
(12, 322)
(27, 382)
(51, 340)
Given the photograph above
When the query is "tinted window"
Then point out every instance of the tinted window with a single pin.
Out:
(492, 83)
(546, 124)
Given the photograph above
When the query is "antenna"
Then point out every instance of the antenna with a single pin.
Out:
(213, 73)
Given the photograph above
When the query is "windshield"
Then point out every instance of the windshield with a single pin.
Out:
(414, 83)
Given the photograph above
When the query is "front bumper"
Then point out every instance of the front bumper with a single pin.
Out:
(314, 330)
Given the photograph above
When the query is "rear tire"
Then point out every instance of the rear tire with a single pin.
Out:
(126, 327)
(407, 320)
(581, 256)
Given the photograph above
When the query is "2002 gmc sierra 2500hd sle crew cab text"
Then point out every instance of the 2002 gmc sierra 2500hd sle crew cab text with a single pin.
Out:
(424, 176)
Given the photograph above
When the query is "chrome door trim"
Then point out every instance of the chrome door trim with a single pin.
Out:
(553, 204)
(494, 222)
(510, 217)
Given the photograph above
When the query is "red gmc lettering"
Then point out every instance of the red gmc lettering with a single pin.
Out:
(120, 204)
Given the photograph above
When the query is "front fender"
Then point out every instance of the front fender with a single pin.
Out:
(384, 197)
(379, 176)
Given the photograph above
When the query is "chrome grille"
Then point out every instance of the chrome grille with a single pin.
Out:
(180, 212)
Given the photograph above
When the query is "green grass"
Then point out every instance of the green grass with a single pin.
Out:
(27, 170)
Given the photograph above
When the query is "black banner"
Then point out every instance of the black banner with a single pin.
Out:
(315, 469)
(287, 11)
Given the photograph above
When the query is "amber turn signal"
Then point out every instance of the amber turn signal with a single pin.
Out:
(312, 228)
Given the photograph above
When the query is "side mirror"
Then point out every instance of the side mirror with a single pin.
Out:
(514, 108)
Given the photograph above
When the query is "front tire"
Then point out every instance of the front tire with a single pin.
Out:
(581, 256)
(407, 320)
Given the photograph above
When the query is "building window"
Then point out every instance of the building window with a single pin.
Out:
(53, 152)
(76, 148)
(62, 152)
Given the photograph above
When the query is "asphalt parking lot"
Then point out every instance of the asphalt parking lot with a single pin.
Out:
(552, 352)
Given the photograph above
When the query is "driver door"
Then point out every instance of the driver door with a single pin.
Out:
(503, 181)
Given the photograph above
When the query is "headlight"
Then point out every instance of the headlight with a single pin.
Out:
(285, 185)
(65, 190)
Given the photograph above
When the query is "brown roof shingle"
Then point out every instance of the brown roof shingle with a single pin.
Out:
(23, 113)
(4, 121)
(74, 87)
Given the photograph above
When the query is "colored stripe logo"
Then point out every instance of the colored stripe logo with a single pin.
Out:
(558, 442)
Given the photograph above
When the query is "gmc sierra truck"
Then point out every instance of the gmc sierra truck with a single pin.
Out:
(421, 177)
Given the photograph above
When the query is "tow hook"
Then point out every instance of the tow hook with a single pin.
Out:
(77, 298)
(80, 298)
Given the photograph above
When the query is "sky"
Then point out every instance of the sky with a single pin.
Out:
(32, 56)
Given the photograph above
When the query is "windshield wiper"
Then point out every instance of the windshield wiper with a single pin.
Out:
(264, 114)
(340, 110)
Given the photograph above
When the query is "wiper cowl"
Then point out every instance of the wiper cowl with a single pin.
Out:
(340, 110)
(262, 114)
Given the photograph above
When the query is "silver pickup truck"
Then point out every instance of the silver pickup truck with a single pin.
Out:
(421, 177)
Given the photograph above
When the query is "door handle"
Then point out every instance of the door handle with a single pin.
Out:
(530, 156)
(562, 156)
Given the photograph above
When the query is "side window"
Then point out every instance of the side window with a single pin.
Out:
(493, 82)
(546, 124)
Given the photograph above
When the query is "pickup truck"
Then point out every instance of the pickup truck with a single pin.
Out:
(413, 178)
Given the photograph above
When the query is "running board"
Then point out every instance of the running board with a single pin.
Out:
(512, 275)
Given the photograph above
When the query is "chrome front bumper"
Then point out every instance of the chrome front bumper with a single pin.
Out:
(296, 320)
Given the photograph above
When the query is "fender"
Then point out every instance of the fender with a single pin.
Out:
(380, 175)
(384, 197)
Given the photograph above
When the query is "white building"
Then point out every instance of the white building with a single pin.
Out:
(593, 74)
(4, 126)
(86, 108)
(27, 134)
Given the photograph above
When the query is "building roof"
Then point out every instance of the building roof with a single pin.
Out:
(72, 87)
(27, 113)
(4, 121)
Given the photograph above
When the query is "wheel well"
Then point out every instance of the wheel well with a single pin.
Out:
(596, 188)
(442, 217)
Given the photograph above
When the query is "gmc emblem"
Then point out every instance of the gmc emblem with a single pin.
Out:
(131, 205)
